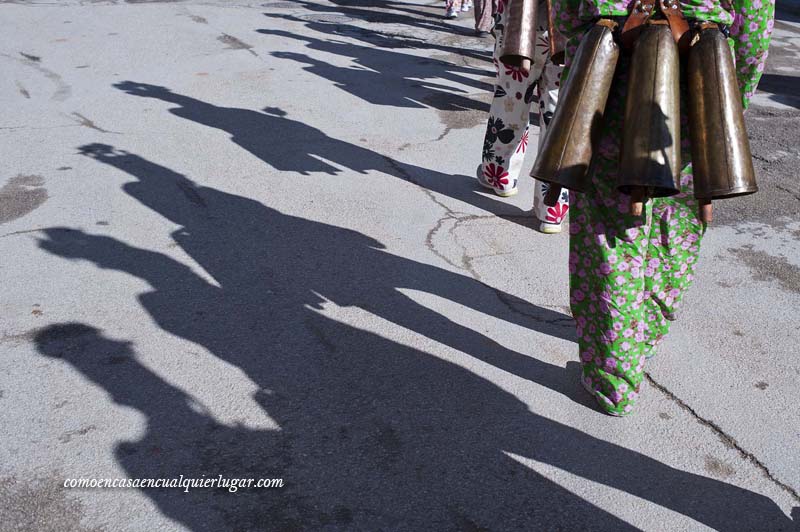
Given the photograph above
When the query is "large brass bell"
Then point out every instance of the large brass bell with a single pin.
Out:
(566, 150)
(651, 153)
(721, 159)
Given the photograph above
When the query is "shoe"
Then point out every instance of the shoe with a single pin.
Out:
(451, 13)
(481, 34)
(506, 193)
(548, 228)
(485, 184)
(466, 6)
(588, 387)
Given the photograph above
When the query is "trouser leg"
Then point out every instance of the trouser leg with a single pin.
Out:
(506, 137)
(482, 10)
(452, 5)
(548, 87)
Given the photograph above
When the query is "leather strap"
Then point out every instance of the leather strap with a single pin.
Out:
(677, 24)
(551, 28)
(641, 11)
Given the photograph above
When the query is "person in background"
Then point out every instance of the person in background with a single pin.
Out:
(507, 130)
(483, 11)
(452, 7)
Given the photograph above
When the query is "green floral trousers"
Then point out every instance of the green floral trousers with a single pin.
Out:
(627, 273)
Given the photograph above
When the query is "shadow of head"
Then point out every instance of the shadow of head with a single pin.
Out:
(142, 89)
(72, 341)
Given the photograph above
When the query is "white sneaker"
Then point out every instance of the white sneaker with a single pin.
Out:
(466, 6)
(549, 229)
(451, 13)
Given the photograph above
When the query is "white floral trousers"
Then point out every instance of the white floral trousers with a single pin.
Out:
(507, 130)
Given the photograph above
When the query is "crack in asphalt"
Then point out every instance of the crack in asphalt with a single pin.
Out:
(446, 132)
(85, 122)
(726, 438)
(24, 232)
(466, 259)
(23, 91)
(792, 193)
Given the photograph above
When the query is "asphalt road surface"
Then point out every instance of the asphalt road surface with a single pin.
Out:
(243, 239)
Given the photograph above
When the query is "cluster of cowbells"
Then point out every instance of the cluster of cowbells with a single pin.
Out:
(651, 149)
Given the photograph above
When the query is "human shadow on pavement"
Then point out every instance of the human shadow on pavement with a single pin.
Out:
(274, 260)
(293, 146)
(373, 434)
(408, 16)
(377, 40)
(385, 77)
(381, 76)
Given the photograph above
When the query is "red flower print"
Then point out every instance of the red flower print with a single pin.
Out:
(543, 43)
(557, 213)
(523, 143)
(495, 175)
(516, 73)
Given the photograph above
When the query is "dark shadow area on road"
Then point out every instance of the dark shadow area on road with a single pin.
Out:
(377, 12)
(782, 89)
(787, 11)
(293, 146)
(373, 434)
(377, 38)
(382, 76)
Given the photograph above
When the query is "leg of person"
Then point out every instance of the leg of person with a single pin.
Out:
(550, 218)
(483, 16)
(451, 8)
(672, 253)
(607, 252)
(673, 248)
(507, 128)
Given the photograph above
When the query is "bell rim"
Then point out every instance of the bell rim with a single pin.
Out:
(726, 193)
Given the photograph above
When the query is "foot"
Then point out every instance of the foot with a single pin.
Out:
(466, 6)
(587, 385)
(481, 34)
(503, 193)
(451, 13)
(548, 228)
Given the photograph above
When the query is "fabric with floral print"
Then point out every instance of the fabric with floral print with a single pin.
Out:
(507, 130)
(628, 274)
(481, 9)
(750, 22)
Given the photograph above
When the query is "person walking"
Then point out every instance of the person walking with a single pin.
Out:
(516, 87)
(632, 261)
(483, 11)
